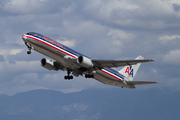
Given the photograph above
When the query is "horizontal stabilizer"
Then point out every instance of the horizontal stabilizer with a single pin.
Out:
(140, 82)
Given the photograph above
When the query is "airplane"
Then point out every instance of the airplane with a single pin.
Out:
(77, 64)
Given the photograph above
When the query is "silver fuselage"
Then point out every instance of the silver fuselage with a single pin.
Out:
(57, 51)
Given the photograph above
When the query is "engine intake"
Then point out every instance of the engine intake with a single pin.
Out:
(85, 62)
(48, 64)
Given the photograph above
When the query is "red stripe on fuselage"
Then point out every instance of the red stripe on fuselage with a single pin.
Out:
(111, 74)
(51, 46)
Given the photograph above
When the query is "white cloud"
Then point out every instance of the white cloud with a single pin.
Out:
(22, 6)
(19, 66)
(118, 36)
(166, 38)
(108, 6)
(10, 51)
(137, 14)
(173, 57)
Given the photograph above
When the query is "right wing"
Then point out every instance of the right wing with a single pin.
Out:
(100, 64)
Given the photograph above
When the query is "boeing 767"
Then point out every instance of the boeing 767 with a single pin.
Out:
(77, 64)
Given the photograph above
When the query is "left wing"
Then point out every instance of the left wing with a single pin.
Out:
(117, 63)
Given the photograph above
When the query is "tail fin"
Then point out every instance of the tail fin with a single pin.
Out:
(130, 71)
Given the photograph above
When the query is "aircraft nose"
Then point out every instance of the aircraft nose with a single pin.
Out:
(24, 37)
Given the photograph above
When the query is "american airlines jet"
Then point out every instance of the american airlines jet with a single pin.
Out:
(77, 64)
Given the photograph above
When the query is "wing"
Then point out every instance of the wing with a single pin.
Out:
(59, 65)
(117, 63)
(140, 82)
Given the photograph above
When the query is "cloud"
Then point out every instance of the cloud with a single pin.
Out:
(176, 7)
(119, 38)
(10, 51)
(23, 6)
(143, 14)
(1, 58)
(166, 38)
(119, 34)
(172, 57)
(109, 29)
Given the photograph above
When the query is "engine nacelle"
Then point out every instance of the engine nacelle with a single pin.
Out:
(48, 64)
(85, 62)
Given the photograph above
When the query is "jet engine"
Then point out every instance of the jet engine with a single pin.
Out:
(48, 64)
(85, 62)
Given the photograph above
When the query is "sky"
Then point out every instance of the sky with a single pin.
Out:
(100, 29)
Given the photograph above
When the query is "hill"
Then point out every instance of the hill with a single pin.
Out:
(92, 104)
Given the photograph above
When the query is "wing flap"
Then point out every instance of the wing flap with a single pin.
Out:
(59, 65)
(140, 82)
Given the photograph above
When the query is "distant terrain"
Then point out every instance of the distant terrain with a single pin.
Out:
(92, 104)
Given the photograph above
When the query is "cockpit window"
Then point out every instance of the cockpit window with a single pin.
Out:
(30, 34)
(35, 34)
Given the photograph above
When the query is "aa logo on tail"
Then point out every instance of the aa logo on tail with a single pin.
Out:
(129, 70)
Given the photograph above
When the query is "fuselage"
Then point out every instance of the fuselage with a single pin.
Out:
(58, 52)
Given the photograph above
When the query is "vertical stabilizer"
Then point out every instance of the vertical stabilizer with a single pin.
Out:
(130, 71)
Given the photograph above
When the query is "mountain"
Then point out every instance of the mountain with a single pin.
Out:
(92, 104)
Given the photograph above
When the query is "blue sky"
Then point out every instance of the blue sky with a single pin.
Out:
(109, 29)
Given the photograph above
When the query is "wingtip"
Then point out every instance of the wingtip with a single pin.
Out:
(152, 60)
(154, 82)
